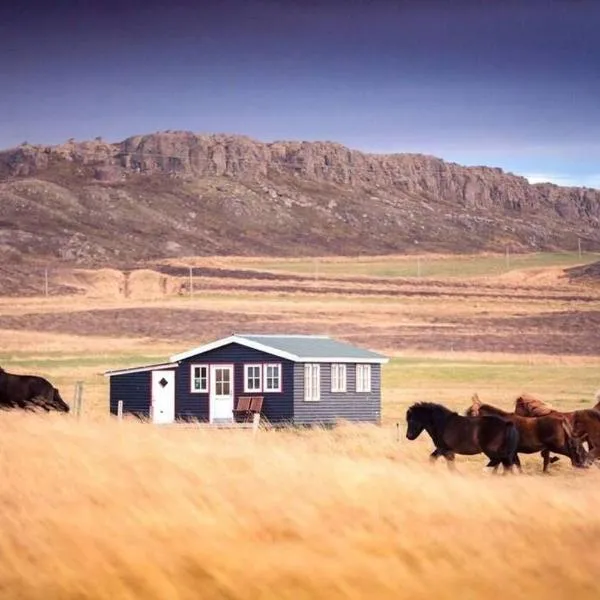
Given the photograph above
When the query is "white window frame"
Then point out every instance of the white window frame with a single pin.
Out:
(338, 377)
(193, 388)
(247, 388)
(266, 387)
(363, 378)
(312, 382)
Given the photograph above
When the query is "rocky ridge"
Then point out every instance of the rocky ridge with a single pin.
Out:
(179, 193)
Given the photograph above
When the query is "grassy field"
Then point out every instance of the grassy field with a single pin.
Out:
(420, 265)
(97, 510)
(93, 509)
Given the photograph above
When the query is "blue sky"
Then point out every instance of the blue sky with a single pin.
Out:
(513, 84)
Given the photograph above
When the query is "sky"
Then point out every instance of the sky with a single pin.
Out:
(512, 83)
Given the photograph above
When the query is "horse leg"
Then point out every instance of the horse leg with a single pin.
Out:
(507, 466)
(449, 456)
(494, 463)
(546, 456)
(435, 455)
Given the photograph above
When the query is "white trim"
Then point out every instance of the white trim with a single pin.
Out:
(363, 379)
(255, 365)
(211, 395)
(265, 378)
(343, 359)
(234, 339)
(238, 339)
(166, 412)
(341, 378)
(193, 366)
(314, 376)
(157, 367)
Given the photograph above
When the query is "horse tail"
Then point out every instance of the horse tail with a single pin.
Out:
(577, 452)
(511, 441)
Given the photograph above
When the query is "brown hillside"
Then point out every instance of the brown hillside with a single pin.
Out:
(177, 193)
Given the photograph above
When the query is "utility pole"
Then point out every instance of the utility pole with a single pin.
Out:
(191, 283)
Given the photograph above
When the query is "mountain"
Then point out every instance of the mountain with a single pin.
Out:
(178, 193)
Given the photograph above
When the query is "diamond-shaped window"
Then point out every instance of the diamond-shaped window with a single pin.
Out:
(163, 382)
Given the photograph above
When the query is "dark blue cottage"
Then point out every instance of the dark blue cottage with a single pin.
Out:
(304, 379)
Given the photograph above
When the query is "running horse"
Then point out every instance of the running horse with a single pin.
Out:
(585, 422)
(545, 434)
(29, 392)
(454, 434)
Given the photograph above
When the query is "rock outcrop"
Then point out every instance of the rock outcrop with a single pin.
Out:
(181, 193)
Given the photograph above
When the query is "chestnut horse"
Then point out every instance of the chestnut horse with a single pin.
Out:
(537, 434)
(584, 422)
(453, 434)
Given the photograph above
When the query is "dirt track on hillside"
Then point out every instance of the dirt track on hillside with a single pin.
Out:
(566, 333)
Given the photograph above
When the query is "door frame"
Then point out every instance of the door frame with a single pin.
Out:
(212, 382)
(156, 374)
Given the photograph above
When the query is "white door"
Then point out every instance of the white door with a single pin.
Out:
(221, 393)
(163, 396)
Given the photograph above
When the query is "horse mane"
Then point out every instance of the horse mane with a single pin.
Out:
(534, 406)
(493, 408)
(432, 413)
(430, 406)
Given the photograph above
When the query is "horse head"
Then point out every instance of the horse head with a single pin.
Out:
(57, 403)
(473, 410)
(415, 423)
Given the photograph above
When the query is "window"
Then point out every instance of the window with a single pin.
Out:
(252, 378)
(363, 378)
(273, 377)
(312, 382)
(338, 377)
(199, 378)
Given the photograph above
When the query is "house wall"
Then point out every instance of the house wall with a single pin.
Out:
(277, 407)
(349, 405)
(135, 391)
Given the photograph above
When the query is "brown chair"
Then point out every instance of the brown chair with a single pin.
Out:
(243, 406)
(256, 404)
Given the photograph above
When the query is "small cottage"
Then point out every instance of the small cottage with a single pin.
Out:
(299, 379)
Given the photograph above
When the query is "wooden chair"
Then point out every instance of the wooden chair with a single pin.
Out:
(243, 407)
(256, 404)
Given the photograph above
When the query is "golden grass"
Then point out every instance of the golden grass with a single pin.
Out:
(94, 509)
(100, 510)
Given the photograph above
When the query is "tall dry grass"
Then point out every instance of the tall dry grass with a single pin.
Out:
(107, 510)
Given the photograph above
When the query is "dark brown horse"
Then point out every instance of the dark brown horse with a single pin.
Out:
(29, 392)
(584, 422)
(454, 434)
(538, 434)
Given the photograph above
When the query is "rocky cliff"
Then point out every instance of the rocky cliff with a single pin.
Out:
(175, 193)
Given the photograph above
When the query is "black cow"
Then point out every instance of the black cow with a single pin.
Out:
(29, 392)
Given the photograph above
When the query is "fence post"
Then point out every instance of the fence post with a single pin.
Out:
(397, 432)
(120, 410)
(255, 422)
(78, 399)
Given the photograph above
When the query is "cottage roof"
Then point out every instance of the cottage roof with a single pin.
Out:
(298, 348)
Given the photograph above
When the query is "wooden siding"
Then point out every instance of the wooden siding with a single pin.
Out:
(135, 391)
(277, 406)
(349, 405)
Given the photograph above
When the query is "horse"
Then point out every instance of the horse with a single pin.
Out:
(544, 434)
(454, 434)
(584, 422)
(597, 401)
(29, 392)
